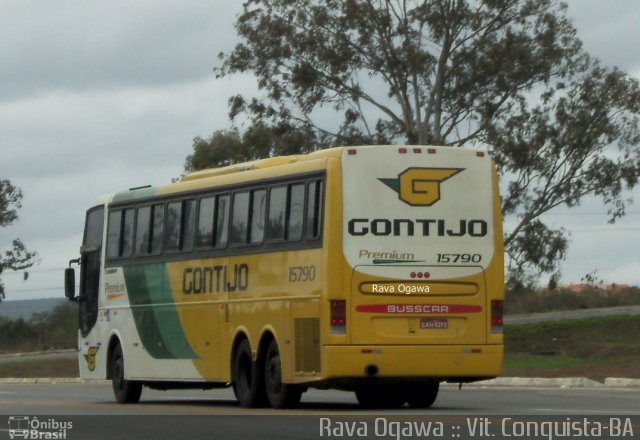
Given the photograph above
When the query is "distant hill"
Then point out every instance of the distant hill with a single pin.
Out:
(25, 308)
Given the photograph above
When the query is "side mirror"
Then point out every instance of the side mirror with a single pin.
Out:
(70, 283)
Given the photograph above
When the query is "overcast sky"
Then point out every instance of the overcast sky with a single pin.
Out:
(100, 96)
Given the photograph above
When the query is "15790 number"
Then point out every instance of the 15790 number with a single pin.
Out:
(459, 258)
(301, 274)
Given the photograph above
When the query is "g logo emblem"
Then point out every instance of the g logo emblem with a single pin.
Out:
(420, 186)
(90, 357)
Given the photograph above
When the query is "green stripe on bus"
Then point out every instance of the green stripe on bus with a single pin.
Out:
(154, 312)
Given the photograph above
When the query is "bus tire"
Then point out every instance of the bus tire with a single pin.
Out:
(125, 391)
(280, 395)
(248, 383)
(423, 396)
(373, 396)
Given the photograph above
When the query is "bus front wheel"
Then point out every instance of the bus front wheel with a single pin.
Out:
(126, 391)
(248, 383)
(280, 395)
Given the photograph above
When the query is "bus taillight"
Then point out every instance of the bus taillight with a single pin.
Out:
(496, 315)
(338, 316)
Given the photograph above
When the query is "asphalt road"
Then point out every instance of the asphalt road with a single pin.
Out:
(87, 411)
(215, 414)
(97, 399)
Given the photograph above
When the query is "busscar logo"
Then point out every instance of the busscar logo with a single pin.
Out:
(420, 186)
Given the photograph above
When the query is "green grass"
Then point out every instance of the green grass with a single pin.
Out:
(523, 361)
(592, 347)
(33, 368)
(582, 338)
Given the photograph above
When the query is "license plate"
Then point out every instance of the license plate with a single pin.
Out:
(434, 323)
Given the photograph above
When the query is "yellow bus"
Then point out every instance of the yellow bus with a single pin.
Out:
(374, 269)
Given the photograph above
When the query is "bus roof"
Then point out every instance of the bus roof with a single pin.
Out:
(261, 163)
(283, 160)
(232, 173)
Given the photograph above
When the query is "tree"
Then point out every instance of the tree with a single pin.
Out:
(226, 147)
(507, 75)
(17, 257)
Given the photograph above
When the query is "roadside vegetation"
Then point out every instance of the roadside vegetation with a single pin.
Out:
(522, 300)
(57, 329)
(32, 368)
(593, 347)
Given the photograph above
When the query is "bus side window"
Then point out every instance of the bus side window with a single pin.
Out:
(128, 227)
(113, 234)
(258, 208)
(277, 213)
(172, 231)
(222, 221)
(157, 228)
(240, 220)
(188, 224)
(120, 233)
(314, 209)
(204, 233)
(295, 212)
(180, 225)
(143, 226)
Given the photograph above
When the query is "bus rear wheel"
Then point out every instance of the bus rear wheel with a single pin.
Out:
(125, 391)
(280, 395)
(423, 396)
(248, 383)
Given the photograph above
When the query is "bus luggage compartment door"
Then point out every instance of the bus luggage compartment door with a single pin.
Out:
(418, 305)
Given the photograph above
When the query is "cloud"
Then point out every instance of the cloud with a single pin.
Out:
(609, 30)
(96, 97)
(69, 45)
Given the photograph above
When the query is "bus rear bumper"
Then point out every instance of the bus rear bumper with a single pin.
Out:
(442, 362)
